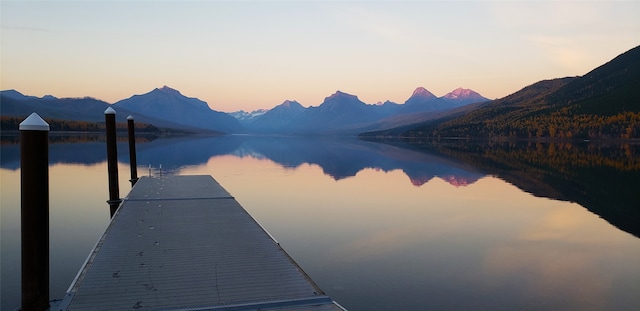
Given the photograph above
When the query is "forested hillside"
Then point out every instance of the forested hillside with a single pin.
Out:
(603, 104)
(13, 123)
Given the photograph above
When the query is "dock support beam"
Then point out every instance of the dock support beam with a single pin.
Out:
(112, 160)
(34, 206)
(132, 151)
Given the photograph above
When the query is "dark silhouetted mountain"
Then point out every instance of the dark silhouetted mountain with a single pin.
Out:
(342, 108)
(606, 90)
(422, 106)
(398, 124)
(602, 104)
(423, 101)
(345, 114)
(339, 114)
(13, 103)
(278, 118)
(388, 108)
(13, 94)
(337, 111)
(168, 104)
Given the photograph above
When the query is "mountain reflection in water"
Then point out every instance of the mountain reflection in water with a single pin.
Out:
(378, 224)
(338, 158)
(601, 177)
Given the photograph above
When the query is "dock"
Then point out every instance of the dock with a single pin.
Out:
(184, 243)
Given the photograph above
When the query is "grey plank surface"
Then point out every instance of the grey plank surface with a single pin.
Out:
(184, 243)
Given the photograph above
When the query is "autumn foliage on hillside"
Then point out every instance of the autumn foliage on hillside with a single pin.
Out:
(603, 104)
(12, 124)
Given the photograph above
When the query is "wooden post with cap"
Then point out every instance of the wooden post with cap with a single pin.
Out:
(34, 210)
(132, 151)
(112, 160)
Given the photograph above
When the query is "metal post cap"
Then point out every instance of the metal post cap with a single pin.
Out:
(109, 111)
(130, 117)
(34, 123)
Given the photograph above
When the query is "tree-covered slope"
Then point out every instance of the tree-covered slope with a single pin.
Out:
(601, 104)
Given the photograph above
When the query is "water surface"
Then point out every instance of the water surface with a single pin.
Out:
(384, 226)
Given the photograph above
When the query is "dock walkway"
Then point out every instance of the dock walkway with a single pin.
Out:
(184, 243)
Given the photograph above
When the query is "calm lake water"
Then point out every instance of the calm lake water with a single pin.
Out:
(383, 226)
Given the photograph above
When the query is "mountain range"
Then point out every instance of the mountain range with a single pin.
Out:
(601, 104)
(343, 113)
(166, 107)
(168, 104)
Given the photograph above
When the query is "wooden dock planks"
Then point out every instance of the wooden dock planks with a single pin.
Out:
(184, 243)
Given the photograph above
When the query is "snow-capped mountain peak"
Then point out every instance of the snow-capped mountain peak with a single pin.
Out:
(243, 115)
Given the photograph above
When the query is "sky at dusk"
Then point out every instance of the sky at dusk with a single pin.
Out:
(257, 54)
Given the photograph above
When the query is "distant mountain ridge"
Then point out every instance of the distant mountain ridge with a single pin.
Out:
(464, 96)
(339, 113)
(169, 104)
(602, 104)
(162, 107)
(345, 114)
(278, 117)
(422, 100)
(244, 116)
(14, 103)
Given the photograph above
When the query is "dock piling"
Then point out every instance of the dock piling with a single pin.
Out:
(112, 160)
(132, 151)
(34, 184)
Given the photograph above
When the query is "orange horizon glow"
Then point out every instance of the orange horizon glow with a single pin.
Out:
(253, 55)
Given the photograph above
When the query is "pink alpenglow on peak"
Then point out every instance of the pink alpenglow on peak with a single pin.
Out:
(456, 181)
(462, 93)
(419, 181)
(422, 92)
(459, 181)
